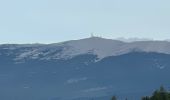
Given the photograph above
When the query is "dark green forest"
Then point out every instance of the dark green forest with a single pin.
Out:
(160, 94)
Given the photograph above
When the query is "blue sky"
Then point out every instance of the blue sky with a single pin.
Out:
(47, 21)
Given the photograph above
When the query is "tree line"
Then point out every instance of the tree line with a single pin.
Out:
(160, 94)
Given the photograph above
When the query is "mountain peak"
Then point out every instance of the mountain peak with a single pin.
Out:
(97, 40)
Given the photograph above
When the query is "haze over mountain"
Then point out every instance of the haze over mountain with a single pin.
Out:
(90, 68)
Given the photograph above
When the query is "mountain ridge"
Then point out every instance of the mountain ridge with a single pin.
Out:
(95, 45)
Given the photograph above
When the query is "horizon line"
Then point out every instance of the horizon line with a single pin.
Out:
(123, 39)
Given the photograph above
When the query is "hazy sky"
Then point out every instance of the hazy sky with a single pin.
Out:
(46, 21)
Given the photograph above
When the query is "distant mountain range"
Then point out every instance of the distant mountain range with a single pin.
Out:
(87, 69)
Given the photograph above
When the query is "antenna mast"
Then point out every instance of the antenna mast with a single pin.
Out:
(92, 35)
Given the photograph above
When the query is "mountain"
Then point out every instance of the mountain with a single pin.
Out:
(92, 68)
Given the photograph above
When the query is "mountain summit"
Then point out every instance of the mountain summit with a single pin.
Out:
(100, 47)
